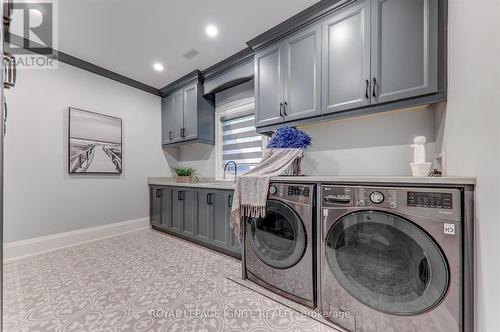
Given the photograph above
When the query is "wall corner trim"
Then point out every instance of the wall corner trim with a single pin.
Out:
(35, 246)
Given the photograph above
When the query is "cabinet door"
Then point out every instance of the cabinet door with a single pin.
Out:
(302, 74)
(177, 115)
(188, 222)
(268, 86)
(166, 198)
(190, 127)
(346, 59)
(219, 222)
(234, 243)
(177, 207)
(404, 49)
(155, 210)
(167, 120)
(204, 215)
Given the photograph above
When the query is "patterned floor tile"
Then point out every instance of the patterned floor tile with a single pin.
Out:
(140, 281)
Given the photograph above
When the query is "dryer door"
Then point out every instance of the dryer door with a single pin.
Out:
(386, 262)
(279, 239)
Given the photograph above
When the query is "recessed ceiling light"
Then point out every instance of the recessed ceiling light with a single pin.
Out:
(158, 66)
(212, 31)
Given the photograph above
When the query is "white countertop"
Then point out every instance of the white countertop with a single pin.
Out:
(226, 185)
(380, 179)
(222, 185)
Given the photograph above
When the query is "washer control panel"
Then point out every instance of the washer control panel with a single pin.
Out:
(434, 203)
(379, 197)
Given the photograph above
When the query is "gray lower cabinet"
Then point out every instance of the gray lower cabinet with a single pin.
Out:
(202, 215)
(155, 205)
(404, 49)
(183, 211)
(213, 222)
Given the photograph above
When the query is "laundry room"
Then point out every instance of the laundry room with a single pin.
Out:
(285, 165)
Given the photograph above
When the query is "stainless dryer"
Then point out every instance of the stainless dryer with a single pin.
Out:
(391, 258)
(279, 249)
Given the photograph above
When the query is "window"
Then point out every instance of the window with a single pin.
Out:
(237, 140)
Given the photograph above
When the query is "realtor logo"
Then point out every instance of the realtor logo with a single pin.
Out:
(32, 35)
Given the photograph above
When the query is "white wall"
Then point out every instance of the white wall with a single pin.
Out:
(377, 144)
(40, 197)
(472, 134)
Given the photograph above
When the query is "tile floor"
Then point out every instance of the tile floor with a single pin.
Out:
(140, 281)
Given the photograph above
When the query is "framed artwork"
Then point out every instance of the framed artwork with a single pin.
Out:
(94, 143)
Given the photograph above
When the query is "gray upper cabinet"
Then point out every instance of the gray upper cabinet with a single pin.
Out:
(172, 117)
(268, 86)
(350, 58)
(187, 117)
(288, 79)
(302, 74)
(404, 49)
(190, 130)
(346, 59)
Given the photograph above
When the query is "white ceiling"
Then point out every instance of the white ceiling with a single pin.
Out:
(128, 36)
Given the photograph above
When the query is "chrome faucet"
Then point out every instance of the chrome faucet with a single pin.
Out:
(235, 169)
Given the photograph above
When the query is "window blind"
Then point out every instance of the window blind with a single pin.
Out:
(240, 142)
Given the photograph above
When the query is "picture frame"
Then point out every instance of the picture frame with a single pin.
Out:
(94, 143)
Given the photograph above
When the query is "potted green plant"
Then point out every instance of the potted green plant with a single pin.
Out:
(184, 174)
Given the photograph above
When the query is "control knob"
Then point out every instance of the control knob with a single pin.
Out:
(273, 190)
(376, 197)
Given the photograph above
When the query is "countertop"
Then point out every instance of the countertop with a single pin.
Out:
(226, 185)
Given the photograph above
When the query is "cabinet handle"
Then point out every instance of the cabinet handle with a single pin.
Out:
(281, 109)
(158, 193)
(374, 92)
(180, 195)
(209, 199)
(367, 89)
(170, 135)
(285, 104)
(182, 132)
(230, 201)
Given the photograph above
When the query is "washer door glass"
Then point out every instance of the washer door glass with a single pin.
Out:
(387, 263)
(279, 239)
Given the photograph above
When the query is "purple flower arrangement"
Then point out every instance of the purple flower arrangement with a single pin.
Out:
(289, 138)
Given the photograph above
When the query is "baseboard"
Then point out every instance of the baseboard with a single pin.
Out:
(38, 245)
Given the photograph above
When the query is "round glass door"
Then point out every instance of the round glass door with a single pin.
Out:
(387, 263)
(279, 239)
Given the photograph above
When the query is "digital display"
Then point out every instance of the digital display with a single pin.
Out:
(298, 191)
(430, 200)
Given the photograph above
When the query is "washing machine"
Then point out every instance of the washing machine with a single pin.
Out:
(391, 258)
(279, 249)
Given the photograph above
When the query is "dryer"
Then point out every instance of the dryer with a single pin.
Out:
(391, 258)
(279, 249)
